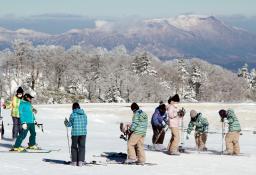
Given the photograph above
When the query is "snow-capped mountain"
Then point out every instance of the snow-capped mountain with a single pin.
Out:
(187, 35)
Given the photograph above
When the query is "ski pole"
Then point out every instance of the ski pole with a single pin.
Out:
(163, 130)
(68, 142)
(222, 138)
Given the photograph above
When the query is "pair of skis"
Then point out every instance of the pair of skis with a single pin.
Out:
(31, 151)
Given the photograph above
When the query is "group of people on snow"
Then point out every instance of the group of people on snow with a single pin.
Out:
(169, 117)
(165, 116)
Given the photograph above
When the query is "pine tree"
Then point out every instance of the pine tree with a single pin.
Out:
(196, 81)
(142, 65)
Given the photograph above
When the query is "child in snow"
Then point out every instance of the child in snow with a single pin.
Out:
(138, 132)
(78, 122)
(201, 124)
(14, 106)
(174, 121)
(27, 120)
(232, 137)
(158, 122)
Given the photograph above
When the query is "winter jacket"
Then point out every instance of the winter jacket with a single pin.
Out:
(14, 106)
(26, 112)
(139, 123)
(233, 122)
(158, 119)
(174, 120)
(200, 123)
(78, 122)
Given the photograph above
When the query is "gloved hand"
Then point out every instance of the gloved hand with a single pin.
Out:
(24, 126)
(4, 106)
(187, 136)
(34, 111)
(66, 122)
(35, 122)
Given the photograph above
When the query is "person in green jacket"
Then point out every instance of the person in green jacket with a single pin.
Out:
(201, 128)
(27, 120)
(234, 128)
(14, 106)
(138, 129)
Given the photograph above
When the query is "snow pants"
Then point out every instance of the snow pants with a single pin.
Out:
(136, 146)
(175, 139)
(23, 134)
(232, 143)
(78, 148)
(158, 135)
(16, 128)
(200, 139)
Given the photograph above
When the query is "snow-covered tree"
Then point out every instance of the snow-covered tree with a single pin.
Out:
(142, 65)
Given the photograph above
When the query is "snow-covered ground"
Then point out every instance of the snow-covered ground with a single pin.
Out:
(103, 136)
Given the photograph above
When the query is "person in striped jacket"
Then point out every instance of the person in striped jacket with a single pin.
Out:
(201, 128)
(234, 128)
(138, 132)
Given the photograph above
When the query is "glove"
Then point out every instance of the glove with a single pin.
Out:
(66, 122)
(187, 137)
(35, 122)
(4, 106)
(34, 111)
(24, 126)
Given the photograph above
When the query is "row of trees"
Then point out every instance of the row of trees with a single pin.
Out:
(99, 75)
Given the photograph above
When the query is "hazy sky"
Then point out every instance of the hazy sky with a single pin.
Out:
(117, 8)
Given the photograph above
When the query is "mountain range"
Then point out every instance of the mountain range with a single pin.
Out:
(205, 37)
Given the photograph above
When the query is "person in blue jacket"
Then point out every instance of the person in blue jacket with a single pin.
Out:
(27, 120)
(78, 122)
(158, 122)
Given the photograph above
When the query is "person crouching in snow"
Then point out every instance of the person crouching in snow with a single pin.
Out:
(201, 124)
(232, 137)
(78, 122)
(138, 132)
(27, 119)
(159, 122)
(174, 122)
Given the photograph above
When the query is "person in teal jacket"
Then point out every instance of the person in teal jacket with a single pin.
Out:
(27, 120)
(201, 128)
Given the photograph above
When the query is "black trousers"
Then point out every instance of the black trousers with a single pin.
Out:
(158, 135)
(16, 128)
(78, 148)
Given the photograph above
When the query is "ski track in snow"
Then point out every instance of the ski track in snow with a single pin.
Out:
(103, 136)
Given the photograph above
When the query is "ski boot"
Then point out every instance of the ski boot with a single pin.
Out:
(34, 147)
(19, 149)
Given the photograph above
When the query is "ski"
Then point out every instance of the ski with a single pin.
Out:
(63, 162)
(31, 151)
(152, 148)
(134, 163)
(211, 152)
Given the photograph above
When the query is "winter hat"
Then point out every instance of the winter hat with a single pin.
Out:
(162, 108)
(134, 107)
(26, 96)
(193, 113)
(75, 106)
(175, 98)
(20, 90)
(223, 113)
